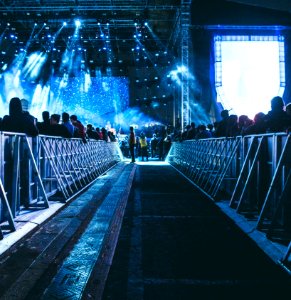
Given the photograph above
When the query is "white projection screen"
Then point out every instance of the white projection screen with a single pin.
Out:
(249, 72)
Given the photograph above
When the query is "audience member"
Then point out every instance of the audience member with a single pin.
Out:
(68, 124)
(104, 135)
(17, 121)
(80, 131)
(99, 133)
(203, 133)
(221, 129)
(191, 133)
(25, 106)
(91, 133)
(276, 119)
(232, 129)
(57, 129)
(259, 125)
(185, 132)
(243, 122)
(210, 128)
(43, 126)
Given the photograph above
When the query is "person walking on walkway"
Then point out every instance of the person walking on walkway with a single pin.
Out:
(131, 142)
(143, 146)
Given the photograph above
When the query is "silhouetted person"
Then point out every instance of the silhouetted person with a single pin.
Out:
(43, 126)
(210, 128)
(202, 132)
(104, 135)
(221, 129)
(25, 106)
(276, 118)
(17, 121)
(91, 133)
(153, 143)
(191, 132)
(131, 143)
(259, 125)
(232, 129)
(160, 146)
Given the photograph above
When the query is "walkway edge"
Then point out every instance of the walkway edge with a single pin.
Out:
(272, 250)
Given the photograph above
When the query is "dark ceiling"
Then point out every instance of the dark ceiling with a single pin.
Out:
(112, 31)
(124, 40)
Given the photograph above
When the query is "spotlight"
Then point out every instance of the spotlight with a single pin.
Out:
(145, 23)
(64, 23)
(78, 23)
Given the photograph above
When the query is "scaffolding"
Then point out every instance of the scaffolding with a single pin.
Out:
(185, 24)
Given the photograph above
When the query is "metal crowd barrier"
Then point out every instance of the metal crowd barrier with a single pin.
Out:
(251, 173)
(34, 169)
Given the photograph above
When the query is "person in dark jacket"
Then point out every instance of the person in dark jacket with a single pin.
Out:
(43, 127)
(17, 120)
(276, 119)
(57, 129)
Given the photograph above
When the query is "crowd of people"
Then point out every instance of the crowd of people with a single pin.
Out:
(151, 141)
(67, 126)
(278, 119)
(147, 142)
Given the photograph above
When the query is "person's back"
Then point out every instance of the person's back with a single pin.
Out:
(91, 133)
(191, 132)
(276, 119)
(259, 125)
(288, 112)
(131, 143)
(43, 126)
(143, 146)
(57, 129)
(153, 143)
(17, 121)
(203, 133)
(25, 106)
(221, 127)
(232, 129)
(80, 131)
(67, 123)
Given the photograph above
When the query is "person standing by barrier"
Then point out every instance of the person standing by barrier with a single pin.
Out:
(131, 142)
(17, 121)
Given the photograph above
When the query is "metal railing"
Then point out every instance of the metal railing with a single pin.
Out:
(252, 174)
(34, 170)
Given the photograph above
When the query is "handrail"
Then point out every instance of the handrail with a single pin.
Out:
(251, 173)
(53, 167)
